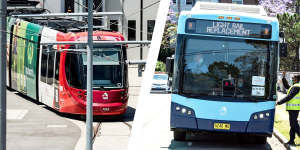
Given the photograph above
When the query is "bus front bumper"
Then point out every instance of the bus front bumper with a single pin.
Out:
(189, 122)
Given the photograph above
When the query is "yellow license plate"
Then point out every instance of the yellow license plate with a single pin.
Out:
(224, 126)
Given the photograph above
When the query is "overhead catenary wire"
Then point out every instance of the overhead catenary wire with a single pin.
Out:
(148, 6)
(39, 34)
(34, 32)
(132, 14)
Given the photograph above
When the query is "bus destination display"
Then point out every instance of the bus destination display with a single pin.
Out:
(226, 28)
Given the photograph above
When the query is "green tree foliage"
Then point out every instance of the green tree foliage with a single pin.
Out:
(160, 66)
(168, 42)
(167, 47)
(289, 23)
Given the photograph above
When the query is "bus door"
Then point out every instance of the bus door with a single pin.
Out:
(46, 84)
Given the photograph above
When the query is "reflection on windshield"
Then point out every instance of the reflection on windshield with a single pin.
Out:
(106, 76)
(104, 56)
(228, 67)
(107, 70)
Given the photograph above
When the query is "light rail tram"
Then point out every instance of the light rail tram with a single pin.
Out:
(55, 75)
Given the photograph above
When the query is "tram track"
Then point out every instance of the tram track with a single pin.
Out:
(96, 131)
(128, 125)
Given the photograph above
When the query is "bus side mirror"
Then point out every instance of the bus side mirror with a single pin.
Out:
(169, 69)
(169, 65)
(283, 49)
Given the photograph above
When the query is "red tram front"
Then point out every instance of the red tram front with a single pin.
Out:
(110, 84)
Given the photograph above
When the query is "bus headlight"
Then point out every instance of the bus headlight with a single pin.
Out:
(182, 110)
(255, 117)
(261, 116)
(264, 115)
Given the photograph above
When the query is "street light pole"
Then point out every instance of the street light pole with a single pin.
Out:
(3, 75)
(89, 102)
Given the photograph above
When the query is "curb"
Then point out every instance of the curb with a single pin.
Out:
(283, 140)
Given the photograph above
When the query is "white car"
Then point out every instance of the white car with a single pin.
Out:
(160, 83)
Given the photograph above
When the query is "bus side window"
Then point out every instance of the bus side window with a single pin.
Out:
(44, 65)
(57, 61)
(50, 68)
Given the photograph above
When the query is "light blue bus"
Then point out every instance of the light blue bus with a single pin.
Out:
(225, 66)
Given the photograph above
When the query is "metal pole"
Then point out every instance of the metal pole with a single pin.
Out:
(95, 42)
(89, 104)
(3, 75)
(83, 14)
(179, 6)
(141, 28)
(122, 17)
(298, 42)
(80, 9)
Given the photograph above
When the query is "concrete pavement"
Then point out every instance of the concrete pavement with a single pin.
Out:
(114, 133)
(31, 126)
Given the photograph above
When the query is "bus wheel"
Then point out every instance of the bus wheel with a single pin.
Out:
(179, 135)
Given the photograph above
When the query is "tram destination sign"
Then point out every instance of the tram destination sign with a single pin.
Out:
(226, 28)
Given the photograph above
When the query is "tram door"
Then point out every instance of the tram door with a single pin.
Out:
(46, 80)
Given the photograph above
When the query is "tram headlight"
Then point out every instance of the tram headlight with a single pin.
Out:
(177, 108)
(183, 110)
(267, 114)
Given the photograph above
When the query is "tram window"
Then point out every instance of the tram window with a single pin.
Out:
(73, 70)
(57, 66)
(50, 68)
(44, 65)
(67, 67)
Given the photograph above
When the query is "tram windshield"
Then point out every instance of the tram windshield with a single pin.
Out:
(236, 68)
(107, 69)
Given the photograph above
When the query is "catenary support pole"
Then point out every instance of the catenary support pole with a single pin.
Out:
(141, 28)
(298, 42)
(3, 75)
(89, 103)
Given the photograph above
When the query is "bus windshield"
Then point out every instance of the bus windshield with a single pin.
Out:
(226, 67)
(107, 69)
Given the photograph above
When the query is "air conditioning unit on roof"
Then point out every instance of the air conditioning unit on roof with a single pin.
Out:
(251, 9)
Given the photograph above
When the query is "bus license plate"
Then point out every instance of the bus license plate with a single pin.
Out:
(223, 126)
